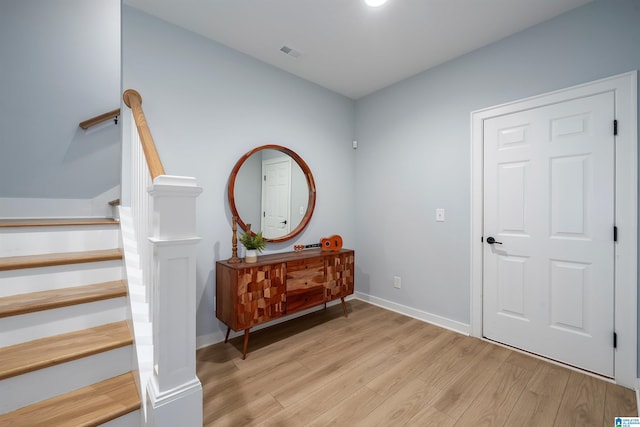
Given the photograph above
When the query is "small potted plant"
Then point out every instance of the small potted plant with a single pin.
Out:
(253, 243)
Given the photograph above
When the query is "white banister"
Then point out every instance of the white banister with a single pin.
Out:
(163, 214)
(140, 209)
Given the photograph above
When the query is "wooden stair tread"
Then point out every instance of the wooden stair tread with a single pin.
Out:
(45, 300)
(88, 406)
(41, 353)
(63, 258)
(48, 222)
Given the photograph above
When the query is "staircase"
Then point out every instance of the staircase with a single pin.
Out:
(66, 350)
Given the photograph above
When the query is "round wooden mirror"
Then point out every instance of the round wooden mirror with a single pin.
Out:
(272, 189)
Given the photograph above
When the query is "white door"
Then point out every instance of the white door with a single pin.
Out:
(276, 197)
(548, 282)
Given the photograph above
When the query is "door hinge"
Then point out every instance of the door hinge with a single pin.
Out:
(265, 177)
(615, 340)
(615, 127)
(615, 233)
(482, 239)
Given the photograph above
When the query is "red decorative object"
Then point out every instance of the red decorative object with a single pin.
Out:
(333, 243)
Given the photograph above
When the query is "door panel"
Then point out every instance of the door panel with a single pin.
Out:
(511, 282)
(511, 197)
(548, 199)
(568, 291)
(276, 197)
(567, 196)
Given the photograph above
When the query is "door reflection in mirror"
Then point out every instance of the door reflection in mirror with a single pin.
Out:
(272, 192)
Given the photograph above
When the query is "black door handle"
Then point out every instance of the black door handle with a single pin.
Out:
(491, 241)
(283, 222)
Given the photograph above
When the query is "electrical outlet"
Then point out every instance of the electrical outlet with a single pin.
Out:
(397, 282)
(440, 215)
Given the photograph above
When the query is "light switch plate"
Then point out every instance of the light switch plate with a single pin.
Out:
(397, 282)
(440, 214)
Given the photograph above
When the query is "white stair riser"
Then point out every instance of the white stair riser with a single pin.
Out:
(132, 419)
(20, 241)
(46, 383)
(13, 282)
(52, 381)
(41, 324)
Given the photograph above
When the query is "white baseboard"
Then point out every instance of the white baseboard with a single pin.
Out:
(434, 319)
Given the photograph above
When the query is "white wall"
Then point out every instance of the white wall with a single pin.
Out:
(207, 105)
(414, 148)
(60, 65)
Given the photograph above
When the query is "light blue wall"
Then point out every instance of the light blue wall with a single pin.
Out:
(59, 65)
(207, 105)
(414, 148)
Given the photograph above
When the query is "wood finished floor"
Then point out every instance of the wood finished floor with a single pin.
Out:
(380, 368)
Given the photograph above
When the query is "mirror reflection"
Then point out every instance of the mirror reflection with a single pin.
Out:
(272, 189)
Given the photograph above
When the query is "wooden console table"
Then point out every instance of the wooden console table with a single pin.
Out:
(280, 284)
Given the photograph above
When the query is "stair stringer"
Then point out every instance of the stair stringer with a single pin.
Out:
(140, 319)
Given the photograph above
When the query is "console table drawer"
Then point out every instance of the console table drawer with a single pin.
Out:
(304, 274)
(297, 301)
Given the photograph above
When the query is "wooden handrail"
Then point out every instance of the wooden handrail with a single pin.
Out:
(99, 119)
(133, 100)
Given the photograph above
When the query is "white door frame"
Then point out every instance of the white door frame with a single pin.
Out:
(624, 87)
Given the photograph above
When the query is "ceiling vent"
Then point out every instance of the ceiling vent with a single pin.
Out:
(290, 51)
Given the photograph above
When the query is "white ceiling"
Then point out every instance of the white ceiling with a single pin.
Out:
(348, 47)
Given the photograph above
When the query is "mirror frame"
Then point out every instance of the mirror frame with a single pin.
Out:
(311, 203)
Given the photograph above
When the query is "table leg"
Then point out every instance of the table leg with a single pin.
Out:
(226, 338)
(344, 307)
(246, 344)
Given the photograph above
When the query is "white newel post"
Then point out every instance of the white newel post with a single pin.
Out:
(174, 393)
